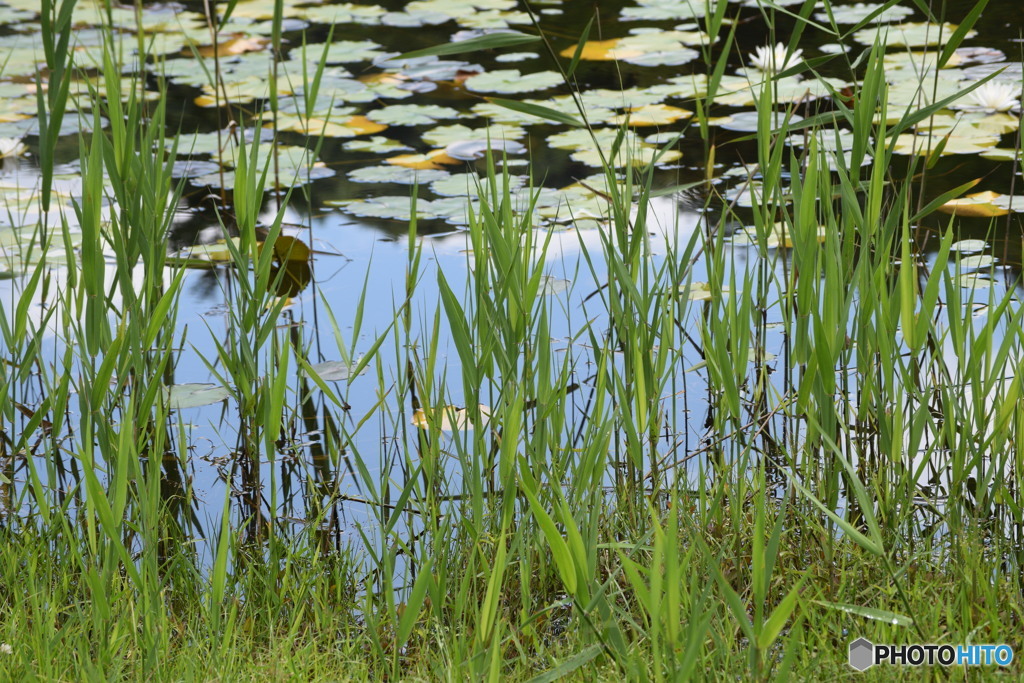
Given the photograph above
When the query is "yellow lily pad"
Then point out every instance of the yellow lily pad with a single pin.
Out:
(652, 115)
(434, 160)
(977, 205)
(452, 418)
(346, 127)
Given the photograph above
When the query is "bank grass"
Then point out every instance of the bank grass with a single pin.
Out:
(523, 512)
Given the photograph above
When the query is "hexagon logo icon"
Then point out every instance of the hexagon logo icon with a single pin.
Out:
(862, 654)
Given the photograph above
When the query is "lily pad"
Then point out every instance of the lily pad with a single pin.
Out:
(468, 150)
(377, 144)
(977, 205)
(411, 114)
(969, 246)
(646, 47)
(451, 418)
(395, 174)
(977, 261)
(333, 370)
(551, 285)
(914, 34)
(652, 115)
(339, 127)
(442, 136)
(195, 395)
(700, 291)
(856, 13)
(974, 281)
(510, 81)
(345, 51)
(437, 159)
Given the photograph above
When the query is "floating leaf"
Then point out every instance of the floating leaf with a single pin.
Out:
(341, 127)
(345, 51)
(781, 236)
(966, 143)
(968, 246)
(700, 291)
(217, 251)
(645, 47)
(552, 285)
(239, 44)
(431, 160)
(652, 115)
(974, 281)
(333, 370)
(1011, 202)
(377, 144)
(411, 114)
(856, 13)
(442, 136)
(509, 81)
(452, 418)
(664, 10)
(913, 34)
(468, 150)
(195, 395)
(1000, 154)
(453, 210)
(490, 41)
(977, 205)
(395, 174)
(976, 261)
(531, 110)
(456, 185)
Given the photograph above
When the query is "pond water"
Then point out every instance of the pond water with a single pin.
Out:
(393, 126)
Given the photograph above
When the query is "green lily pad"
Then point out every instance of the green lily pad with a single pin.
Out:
(195, 395)
(345, 51)
(389, 173)
(411, 114)
(700, 291)
(442, 136)
(550, 285)
(333, 370)
(914, 34)
(974, 281)
(331, 14)
(663, 10)
(969, 246)
(977, 261)
(856, 13)
(410, 19)
(510, 81)
(377, 144)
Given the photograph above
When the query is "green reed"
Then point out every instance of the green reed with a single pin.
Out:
(529, 513)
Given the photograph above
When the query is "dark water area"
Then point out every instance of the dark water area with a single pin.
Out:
(998, 28)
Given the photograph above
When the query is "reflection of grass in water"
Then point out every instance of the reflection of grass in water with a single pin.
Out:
(564, 518)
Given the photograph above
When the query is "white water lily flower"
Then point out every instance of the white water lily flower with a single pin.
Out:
(12, 147)
(6, 649)
(996, 96)
(773, 59)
